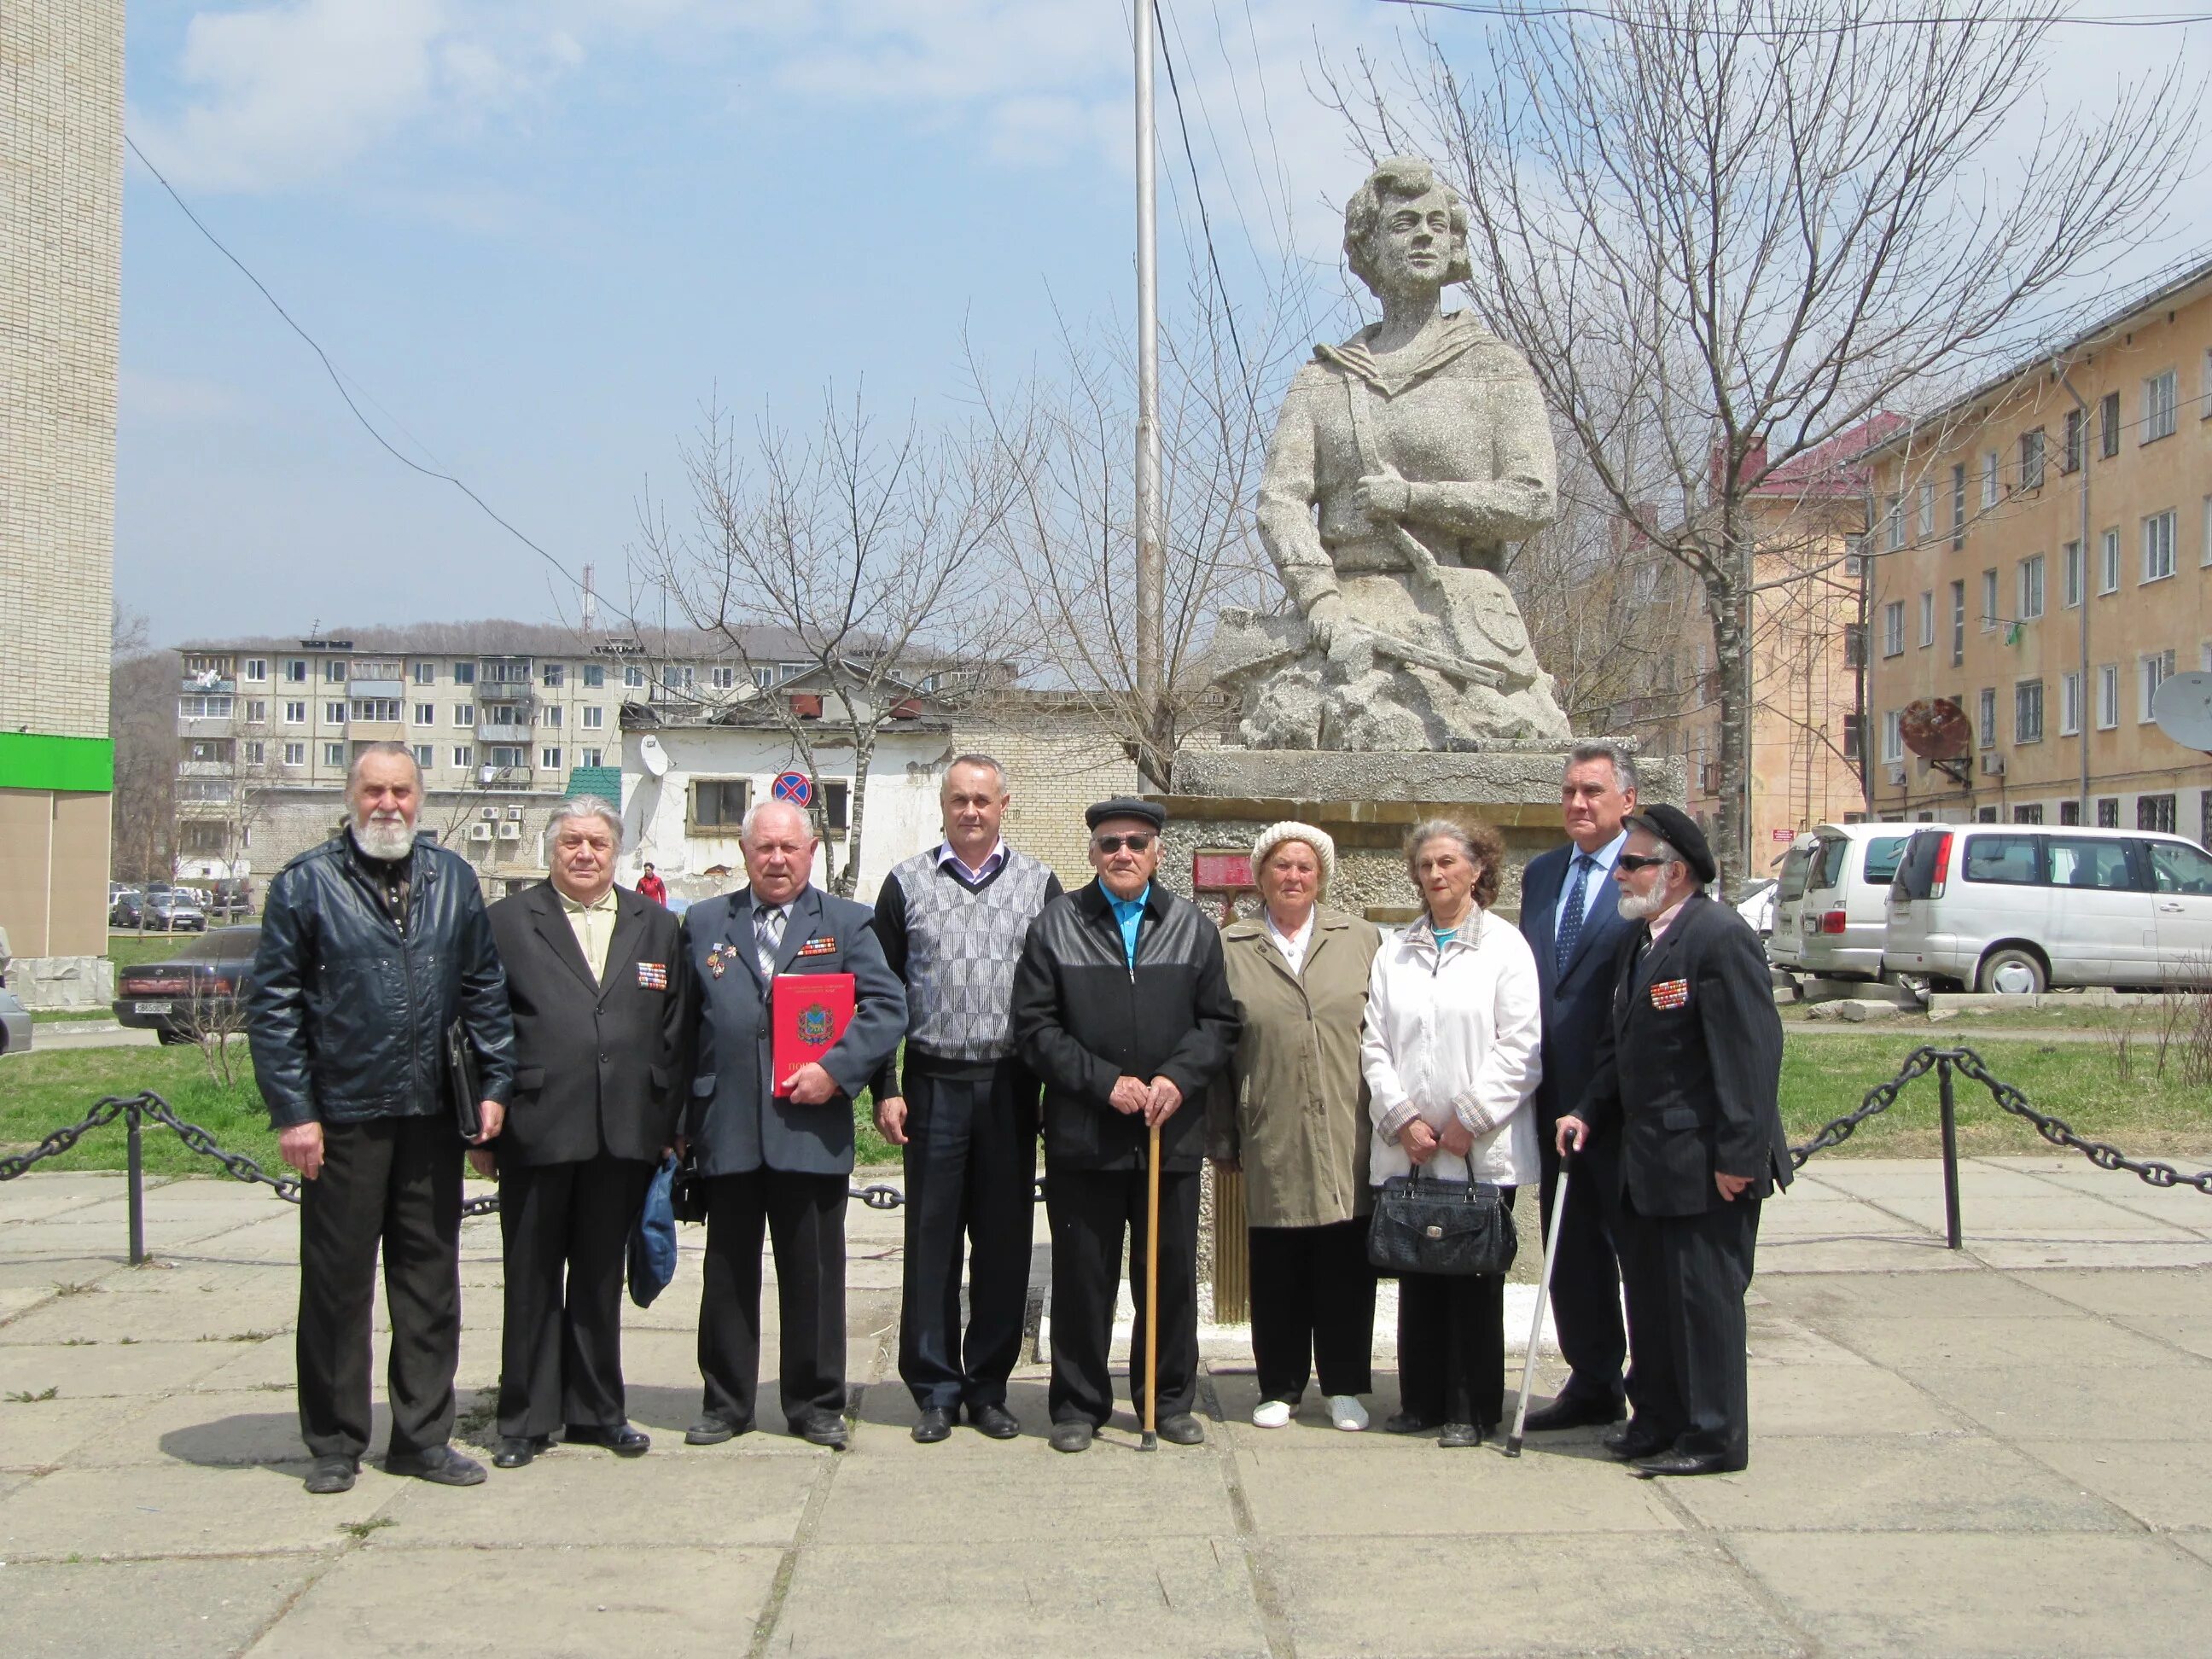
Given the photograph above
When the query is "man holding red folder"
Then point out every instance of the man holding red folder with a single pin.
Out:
(797, 1010)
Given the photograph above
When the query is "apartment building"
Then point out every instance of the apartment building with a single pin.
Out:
(503, 717)
(61, 241)
(2043, 559)
(1810, 513)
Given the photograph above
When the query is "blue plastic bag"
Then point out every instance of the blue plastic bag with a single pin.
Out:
(653, 1239)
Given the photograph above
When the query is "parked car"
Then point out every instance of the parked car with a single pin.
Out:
(1783, 934)
(1755, 903)
(172, 910)
(1843, 917)
(15, 1026)
(230, 899)
(123, 908)
(205, 982)
(2019, 908)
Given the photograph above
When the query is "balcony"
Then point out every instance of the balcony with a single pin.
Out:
(206, 768)
(360, 687)
(521, 732)
(208, 684)
(362, 732)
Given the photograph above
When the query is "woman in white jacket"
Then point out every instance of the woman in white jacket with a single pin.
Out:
(1452, 1053)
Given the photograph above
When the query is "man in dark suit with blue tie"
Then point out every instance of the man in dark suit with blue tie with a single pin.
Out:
(776, 1153)
(1570, 919)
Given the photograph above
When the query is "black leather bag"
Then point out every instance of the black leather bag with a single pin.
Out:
(461, 1087)
(1425, 1225)
(687, 1190)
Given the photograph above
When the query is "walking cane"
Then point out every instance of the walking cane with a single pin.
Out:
(1543, 1295)
(1151, 1436)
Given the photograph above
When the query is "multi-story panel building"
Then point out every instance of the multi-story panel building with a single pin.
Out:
(2064, 574)
(61, 237)
(503, 717)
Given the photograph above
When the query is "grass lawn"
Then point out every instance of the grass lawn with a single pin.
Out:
(1822, 1078)
(128, 950)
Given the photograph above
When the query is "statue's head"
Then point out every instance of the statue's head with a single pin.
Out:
(1406, 227)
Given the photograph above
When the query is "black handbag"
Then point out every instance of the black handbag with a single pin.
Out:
(461, 1087)
(1425, 1225)
(687, 1190)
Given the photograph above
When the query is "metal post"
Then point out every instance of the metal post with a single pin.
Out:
(1152, 569)
(1950, 1108)
(1232, 1256)
(137, 1156)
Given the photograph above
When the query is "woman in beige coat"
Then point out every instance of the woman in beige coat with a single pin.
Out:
(1292, 1114)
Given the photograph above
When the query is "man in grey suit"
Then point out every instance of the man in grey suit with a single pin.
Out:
(776, 1153)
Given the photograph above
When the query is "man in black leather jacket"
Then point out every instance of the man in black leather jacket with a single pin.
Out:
(372, 944)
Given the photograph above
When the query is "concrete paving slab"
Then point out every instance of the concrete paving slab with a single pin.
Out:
(1363, 1487)
(2108, 1250)
(1927, 1340)
(2124, 1291)
(212, 1430)
(2163, 1488)
(19, 1200)
(2198, 1543)
(1842, 1400)
(180, 1510)
(559, 1603)
(2180, 1206)
(1132, 1596)
(1946, 1482)
(2093, 1595)
(2062, 1399)
(269, 1364)
(1868, 1254)
(582, 1495)
(26, 1265)
(107, 1368)
(1641, 1594)
(160, 1609)
(185, 1313)
(51, 1431)
(1974, 1293)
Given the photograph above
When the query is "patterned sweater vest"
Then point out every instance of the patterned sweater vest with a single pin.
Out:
(962, 949)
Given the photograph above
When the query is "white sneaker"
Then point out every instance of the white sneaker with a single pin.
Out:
(1271, 1414)
(1346, 1413)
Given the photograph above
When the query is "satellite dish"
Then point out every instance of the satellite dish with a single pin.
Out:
(2183, 709)
(653, 757)
(1935, 729)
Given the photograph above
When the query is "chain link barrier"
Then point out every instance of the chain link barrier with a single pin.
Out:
(1880, 1098)
(61, 1139)
(2059, 1133)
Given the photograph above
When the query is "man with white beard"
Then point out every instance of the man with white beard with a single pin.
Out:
(371, 946)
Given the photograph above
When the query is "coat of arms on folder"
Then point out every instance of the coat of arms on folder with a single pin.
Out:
(808, 1012)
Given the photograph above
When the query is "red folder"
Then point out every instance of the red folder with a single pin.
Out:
(807, 1013)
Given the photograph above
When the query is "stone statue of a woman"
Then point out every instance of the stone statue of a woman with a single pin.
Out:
(1403, 463)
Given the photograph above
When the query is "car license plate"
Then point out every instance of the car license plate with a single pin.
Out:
(150, 1007)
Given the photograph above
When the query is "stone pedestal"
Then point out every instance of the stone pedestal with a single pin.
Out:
(66, 983)
(1367, 801)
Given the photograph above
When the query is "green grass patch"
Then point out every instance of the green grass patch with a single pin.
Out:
(1826, 1077)
(40, 1092)
(129, 949)
(64, 1016)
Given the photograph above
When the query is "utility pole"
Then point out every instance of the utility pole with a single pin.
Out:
(1152, 568)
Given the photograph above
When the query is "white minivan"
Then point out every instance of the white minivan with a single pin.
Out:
(1836, 929)
(2019, 908)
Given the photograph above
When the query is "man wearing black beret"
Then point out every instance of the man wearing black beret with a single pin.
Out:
(1687, 1078)
(1121, 1007)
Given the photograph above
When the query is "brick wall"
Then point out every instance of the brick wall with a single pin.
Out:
(1057, 763)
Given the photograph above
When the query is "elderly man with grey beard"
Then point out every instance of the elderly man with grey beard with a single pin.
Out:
(371, 946)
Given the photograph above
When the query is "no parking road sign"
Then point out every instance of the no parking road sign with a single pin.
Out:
(794, 787)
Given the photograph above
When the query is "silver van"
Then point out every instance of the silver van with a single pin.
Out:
(2020, 907)
(1840, 921)
(1783, 933)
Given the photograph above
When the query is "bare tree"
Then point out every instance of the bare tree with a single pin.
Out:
(1068, 545)
(872, 556)
(142, 716)
(1736, 229)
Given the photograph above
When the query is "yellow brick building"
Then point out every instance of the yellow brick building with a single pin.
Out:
(61, 230)
(2043, 557)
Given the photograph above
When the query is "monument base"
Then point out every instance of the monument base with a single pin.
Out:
(1367, 801)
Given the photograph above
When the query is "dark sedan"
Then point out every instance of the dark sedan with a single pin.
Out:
(203, 987)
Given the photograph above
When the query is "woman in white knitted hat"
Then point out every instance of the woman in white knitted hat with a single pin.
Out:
(1292, 1114)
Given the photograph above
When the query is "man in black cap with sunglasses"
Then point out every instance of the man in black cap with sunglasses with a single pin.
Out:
(1121, 1007)
(1688, 1079)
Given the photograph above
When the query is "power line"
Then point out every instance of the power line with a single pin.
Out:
(339, 381)
(1657, 25)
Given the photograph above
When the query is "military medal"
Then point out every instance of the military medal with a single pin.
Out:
(1670, 993)
(719, 958)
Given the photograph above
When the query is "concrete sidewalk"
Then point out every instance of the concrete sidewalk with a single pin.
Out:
(1991, 1452)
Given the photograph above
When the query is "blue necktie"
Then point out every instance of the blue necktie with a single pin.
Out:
(1570, 914)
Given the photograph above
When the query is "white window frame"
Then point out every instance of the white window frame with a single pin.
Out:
(2108, 696)
(2204, 542)
(296, 671)
(2031, 588)
(548, 759)
(334, 754)
(2108, 563)
(1892, 629)
(589, 756)
(426, 714)
(426, 756)
(1986, 718)
(1893, 736)
(2158, 537)
(595, 717)
(2071, 574)
(2069, 703)
(2154, 669)
(464, 714)
(257, 711)
(551, 716)
(633, 675)
(595, 674)
(256, 671)
(1989, 475)
(1927, 618)
(1988, 601)
(295, 713)
(2158, 406)
(465, 755)
(295, 753)
(334, 714)
(2026, 697)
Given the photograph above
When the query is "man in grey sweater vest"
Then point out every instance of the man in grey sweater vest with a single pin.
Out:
(952, 921)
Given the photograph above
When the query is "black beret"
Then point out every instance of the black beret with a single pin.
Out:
(1126, 806)
(1679, 831)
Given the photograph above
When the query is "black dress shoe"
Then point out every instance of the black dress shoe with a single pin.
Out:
(1181, 1428)
(332, 1475)
(516, 1450)
(1461, 1434)
(713, 1431)
(994, 1421)
(439, 1465)
(619, 1439)
(1635, 1441)
(1407, 1423)
(1675, 1462)
(1573, 1411)
(1073, 1436)
(822, 1430)
(935, 1423)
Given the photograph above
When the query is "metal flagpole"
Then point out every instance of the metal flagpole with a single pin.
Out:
(1152, 570)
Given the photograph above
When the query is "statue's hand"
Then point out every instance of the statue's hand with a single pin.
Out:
(1323, 619)
(1383, 494)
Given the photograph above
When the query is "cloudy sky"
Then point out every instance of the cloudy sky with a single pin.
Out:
(536, 235)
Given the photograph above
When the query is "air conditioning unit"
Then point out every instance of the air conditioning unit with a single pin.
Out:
(480, 832)
(510, 832)
(1993, 764)
(514, 815)
(489, 812)
(1896, 777)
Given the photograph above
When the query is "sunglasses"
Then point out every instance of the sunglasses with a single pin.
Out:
(1632, 862)
(1135, 843)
